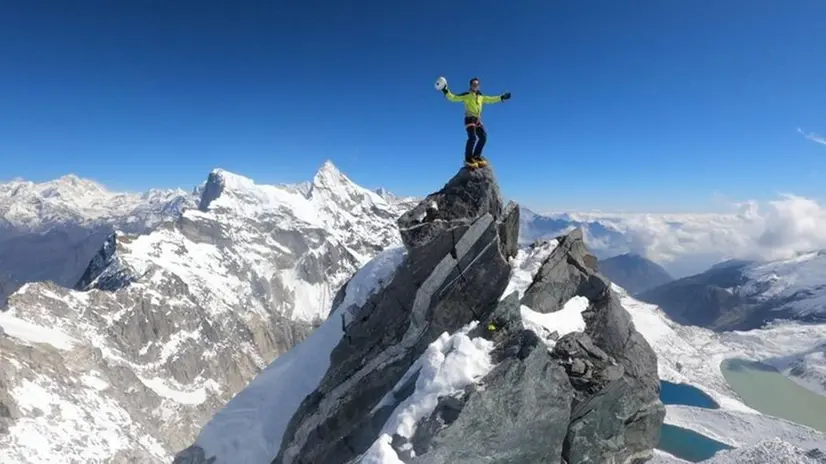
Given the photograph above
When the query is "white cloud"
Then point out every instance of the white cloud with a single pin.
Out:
(813, 137)
(690, 243)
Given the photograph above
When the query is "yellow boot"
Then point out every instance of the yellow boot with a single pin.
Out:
(472, 164)
(480, 162)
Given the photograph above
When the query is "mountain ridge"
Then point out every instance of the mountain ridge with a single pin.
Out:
(743, 295)
(634, 272)
(361, 387)
(184, 314)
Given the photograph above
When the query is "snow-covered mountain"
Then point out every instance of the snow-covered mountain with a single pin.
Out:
(49, 231)
(456, 347)
(403, 202)
(747, 295)
(165, 327)
(33, 206)
(357, 404)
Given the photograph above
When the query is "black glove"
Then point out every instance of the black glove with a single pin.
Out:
(506, 95)
(444, 90)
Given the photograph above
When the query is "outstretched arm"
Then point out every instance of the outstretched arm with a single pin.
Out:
(496, 99)
(453, 97)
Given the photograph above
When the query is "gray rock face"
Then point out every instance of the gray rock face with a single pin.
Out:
(568, 272)
(617, 413)
(609, 404)
(521, 415)
(456, 278)
(593, 398)
(106, 258)
(468, 195)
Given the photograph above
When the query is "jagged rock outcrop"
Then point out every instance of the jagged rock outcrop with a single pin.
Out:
(612, 411)
(105, 271)
(569, 271)
(616, 412)
(590, 396)
(521, 415)
(455, 271)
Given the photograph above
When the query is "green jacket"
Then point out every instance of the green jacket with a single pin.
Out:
(473, 102)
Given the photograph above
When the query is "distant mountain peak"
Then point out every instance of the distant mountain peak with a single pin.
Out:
(330, 177)
(634, 272)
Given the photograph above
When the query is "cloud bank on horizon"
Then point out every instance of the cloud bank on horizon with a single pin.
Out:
(813, 137)
(690, 243)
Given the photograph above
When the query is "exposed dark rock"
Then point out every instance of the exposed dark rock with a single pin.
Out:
(104, 271)
(212, 189)
(453, 274)
(192, 455)
(725, 298)
(446, 413)
(520, 416)
(467, 196)
(569, 271)
(617, 413)
(593, 398)
(509, 229)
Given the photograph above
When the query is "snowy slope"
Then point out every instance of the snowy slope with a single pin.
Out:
(178, 320)
(797, 285)
(250, 427)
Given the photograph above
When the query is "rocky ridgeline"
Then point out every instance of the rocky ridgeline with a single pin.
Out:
(593, 397)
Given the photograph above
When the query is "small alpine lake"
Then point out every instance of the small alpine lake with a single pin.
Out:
(767, 390)
(685, 394)
(680, 442)
(687, 444)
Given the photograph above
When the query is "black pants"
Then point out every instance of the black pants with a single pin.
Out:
(476, 138)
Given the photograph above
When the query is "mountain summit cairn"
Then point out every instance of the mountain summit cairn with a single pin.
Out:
(456, 347)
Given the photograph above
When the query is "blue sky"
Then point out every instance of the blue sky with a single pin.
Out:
(650, 106)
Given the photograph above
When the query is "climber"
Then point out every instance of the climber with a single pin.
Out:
(476, 134)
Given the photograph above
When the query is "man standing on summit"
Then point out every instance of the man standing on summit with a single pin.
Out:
(476, 134)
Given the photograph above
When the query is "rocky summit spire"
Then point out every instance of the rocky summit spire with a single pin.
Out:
(426, 359)
(466, 197)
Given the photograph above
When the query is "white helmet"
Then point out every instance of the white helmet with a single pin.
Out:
(441, 83)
